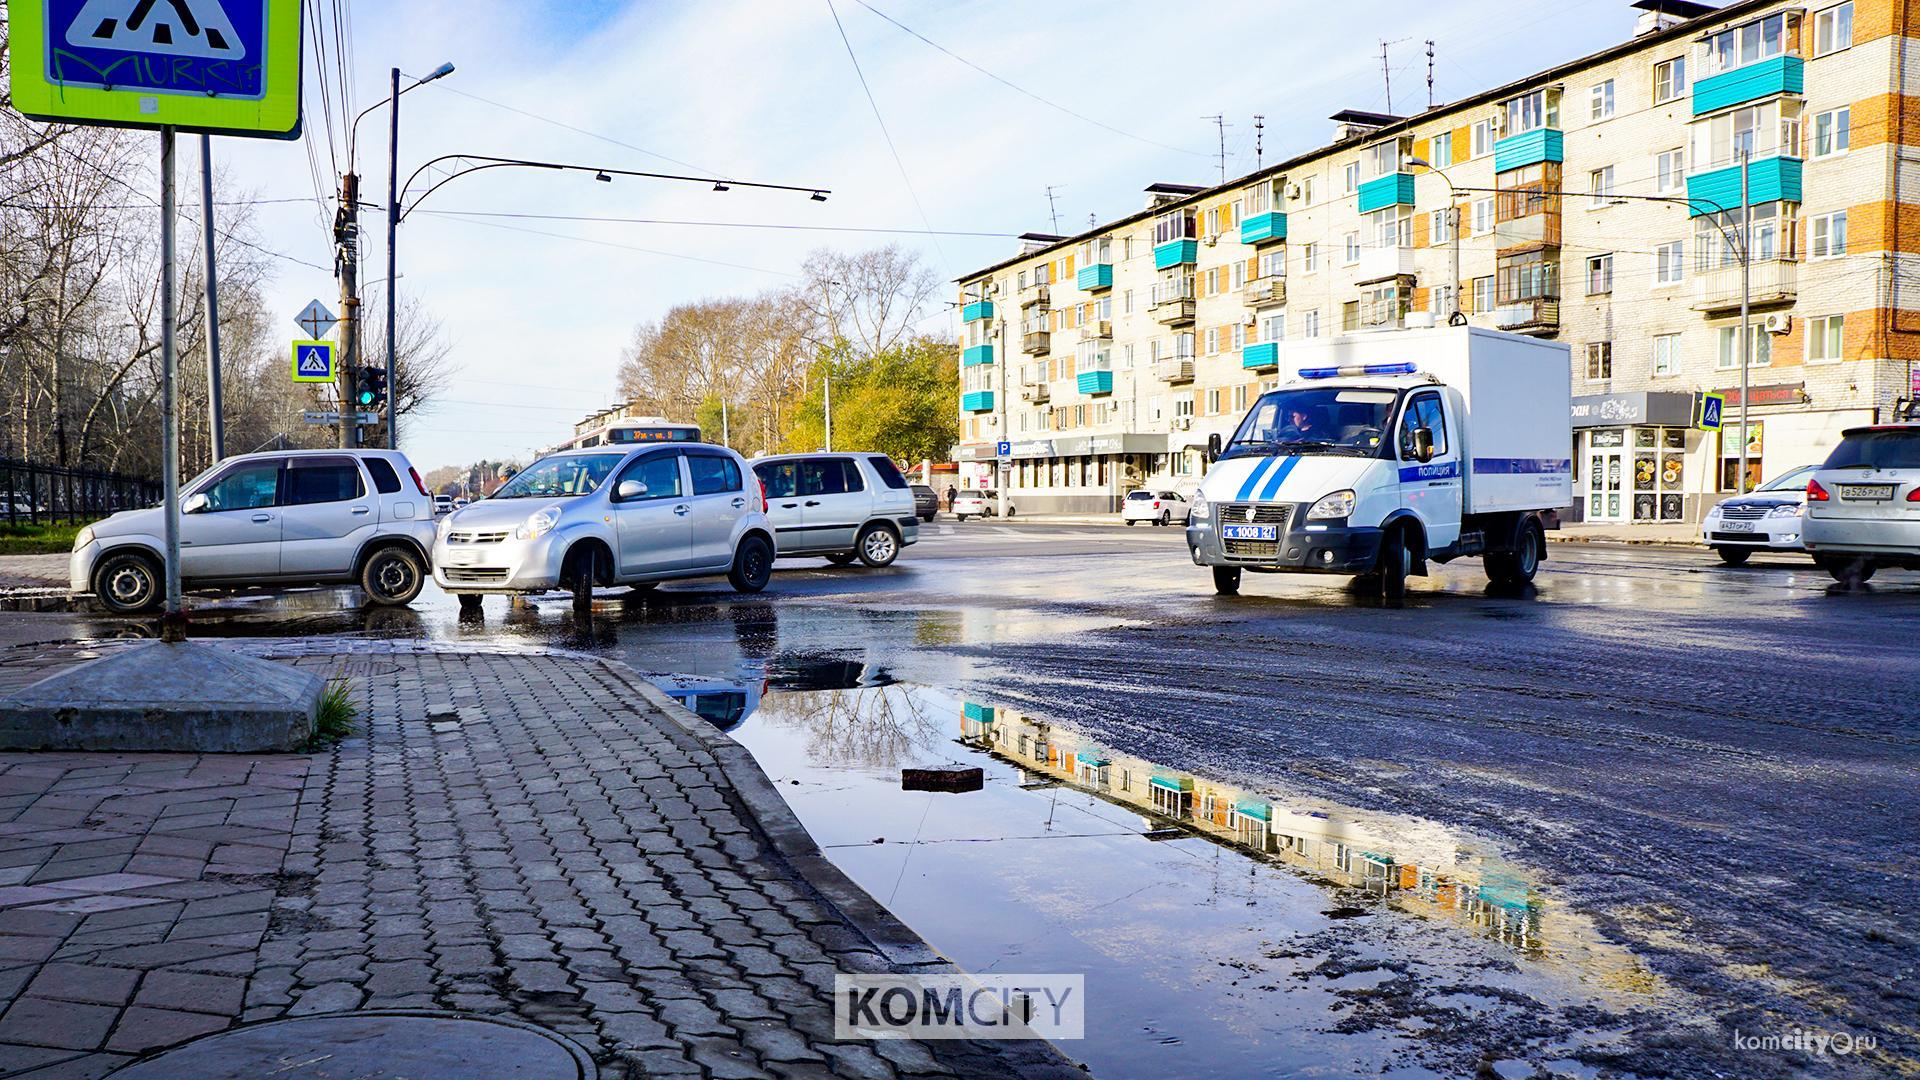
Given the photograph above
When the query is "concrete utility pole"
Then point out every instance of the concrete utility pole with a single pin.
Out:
(826, 394)
(214, 422)
(1746, 297)
(173, 624)
(346, 236)
(393, 287)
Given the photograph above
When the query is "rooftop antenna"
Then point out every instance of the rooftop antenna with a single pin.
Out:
(1220, 124)
(1259, 129)
(1429, 73)
(1092, 220)
(1387, 74)
(1053, 209)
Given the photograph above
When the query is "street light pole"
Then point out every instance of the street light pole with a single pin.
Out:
(1453, 220)
(214, 419)
(393, 223)
(1746, 298)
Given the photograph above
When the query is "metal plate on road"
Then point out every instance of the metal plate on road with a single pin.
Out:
(1866, 492)
(1250, 532)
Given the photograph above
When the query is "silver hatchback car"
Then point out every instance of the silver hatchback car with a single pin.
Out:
(1863, 505)
(630, 516)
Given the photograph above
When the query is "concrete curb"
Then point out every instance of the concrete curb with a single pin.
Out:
(1682, 545)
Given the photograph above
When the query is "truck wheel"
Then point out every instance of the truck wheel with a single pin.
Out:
(1226, 580)
(128, 583)
(752, 565)
(393, 576)
(1396, 562)
(1733, 556)
(1518, 566)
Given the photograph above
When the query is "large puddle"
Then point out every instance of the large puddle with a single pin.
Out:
(1220, 930)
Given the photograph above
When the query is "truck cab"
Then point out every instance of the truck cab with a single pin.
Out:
(1372, 464)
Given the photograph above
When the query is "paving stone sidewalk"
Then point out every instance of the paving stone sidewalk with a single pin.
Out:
(522, 835)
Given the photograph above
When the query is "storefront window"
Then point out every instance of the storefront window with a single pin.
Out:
(1635, 474)
(1730, 455)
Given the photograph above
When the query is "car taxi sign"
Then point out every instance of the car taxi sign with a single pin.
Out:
(313, 361)
(1707, 410)
(223, 67)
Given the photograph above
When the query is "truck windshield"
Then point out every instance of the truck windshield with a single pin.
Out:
(1319, 419)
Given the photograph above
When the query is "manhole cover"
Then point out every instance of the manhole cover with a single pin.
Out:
(371, 1046)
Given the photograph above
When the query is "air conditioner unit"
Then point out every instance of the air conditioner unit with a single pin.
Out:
(1293, 192)
(1213, 238)
(1182, 423)
(1777, 323)
(1249, 319)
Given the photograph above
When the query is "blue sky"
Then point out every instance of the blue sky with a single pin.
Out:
(539, 309)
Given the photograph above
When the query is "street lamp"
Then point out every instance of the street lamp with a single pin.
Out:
(393, 228)
(1454, 316)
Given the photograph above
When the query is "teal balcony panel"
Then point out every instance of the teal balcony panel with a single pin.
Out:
(977, 401)
(979, 309)
(1095, 276)
(1095, 382)
(1769, 180)
(1780, 75)
(1264, 355)
(1393, 189)
(1529, 148)
(1265, 228)
(1174, 253)
(976, 354)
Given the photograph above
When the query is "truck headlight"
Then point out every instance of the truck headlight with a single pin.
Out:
(538, 524)
(83, 538)
(1337, 505)
(1786, 511)
(1199, 508)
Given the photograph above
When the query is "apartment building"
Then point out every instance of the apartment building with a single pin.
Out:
(1597, 203)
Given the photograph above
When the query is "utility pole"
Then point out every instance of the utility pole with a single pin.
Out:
(214, 424)
(1746, 297)
(393, 285)
(1259, 133)
(1053, 209)
(346, 236)
(173, 624)
(1429, 73)
(726, 433)
(826, 393)
(1220, 126)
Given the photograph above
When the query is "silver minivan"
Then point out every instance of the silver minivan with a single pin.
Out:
(842, 506)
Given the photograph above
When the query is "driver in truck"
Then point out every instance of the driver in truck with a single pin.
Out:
(1304, 425)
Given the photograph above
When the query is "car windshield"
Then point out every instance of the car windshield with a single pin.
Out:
(562, 474)
(1329, 420)
(1791, 481)
(1897, 449)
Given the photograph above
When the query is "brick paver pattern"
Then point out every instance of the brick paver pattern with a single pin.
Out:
(517, 835)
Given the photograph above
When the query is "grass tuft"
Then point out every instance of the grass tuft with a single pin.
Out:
(337, 712)
(24, 539)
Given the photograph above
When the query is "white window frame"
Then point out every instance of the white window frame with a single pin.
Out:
(1440, 227)
(1821, 230)
(1602, 266)
(1600, 187)
(1311, 320)
(1441, 158)
(1669, 264)
(1674, 72)
(1351, 248)
(1836, 18)
(1670, 170)
(1666, 355)
(1600, 102)
(1350, 177)
(1483, 138)
(1727, 346)
(1604, 354)
(1818, 327)
(1483, 294)
(1310, 258)
(1839, 133)
(1483, 216)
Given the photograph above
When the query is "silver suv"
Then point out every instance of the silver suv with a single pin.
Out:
(1863, 504)
(302, 517)
(581, 518)
(843, 506)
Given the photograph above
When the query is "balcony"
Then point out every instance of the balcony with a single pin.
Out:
(973, 355)
(1529, 148)
(1262, 357)
(1177, 311)
(1383, 264)
(1775, 281)
(1393, 189)
(1539, 314)
(1096, 330)
(1268, 228)
(1774, 179)
(1533, 231)
(1174, 369)
(1036, 391)
(1095, 382)
(1780, 75)
(1034, 295)
(976, 311)
(1095, 276)
(977, 401)
(1265, 292)
(1176, 253)
(1035, 342)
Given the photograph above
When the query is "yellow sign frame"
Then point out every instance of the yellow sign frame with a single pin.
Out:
(333, 362)
(274, 115)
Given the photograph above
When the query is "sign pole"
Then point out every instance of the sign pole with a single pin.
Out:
(214, 422)
(173, 623)
(1746, 321)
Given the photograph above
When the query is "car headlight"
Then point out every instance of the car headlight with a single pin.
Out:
(83, 538)
(538, 524)
(1337, 505)
(1199, 508)
(1786, 511)
(1714, 512)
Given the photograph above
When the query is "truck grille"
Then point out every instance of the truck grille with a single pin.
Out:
(476, 537)
(1263, 513)
(468, 575)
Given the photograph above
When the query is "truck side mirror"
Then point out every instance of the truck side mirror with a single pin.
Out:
(1423, 444)
(1213, 448)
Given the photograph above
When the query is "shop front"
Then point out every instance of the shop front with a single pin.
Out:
(1632, 458)
(1080, 474)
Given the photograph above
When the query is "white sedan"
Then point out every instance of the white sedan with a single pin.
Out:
(978, 504)
(1768, 518)
(1160, 507)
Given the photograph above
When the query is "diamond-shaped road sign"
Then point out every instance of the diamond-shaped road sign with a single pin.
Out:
(315, 319)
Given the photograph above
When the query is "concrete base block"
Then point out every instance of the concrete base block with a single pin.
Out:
(166, 697)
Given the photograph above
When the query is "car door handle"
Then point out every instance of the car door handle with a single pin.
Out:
(263, 517)
(788, 506)
(681, 509)
(358, 510)
(738, 503)
(813, 502)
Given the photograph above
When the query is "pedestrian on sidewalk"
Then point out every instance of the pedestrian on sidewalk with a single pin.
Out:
(952, 494)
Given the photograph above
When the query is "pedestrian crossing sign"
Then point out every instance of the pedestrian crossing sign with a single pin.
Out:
(1707, 410)
(313, 361)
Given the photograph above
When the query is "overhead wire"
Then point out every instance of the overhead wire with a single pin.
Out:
(771, 225)
(623, 247)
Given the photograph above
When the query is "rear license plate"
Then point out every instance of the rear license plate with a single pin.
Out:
(1250, 532)
(1736, 526)
(1866, 492)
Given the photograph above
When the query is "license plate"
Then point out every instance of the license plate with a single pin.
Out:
(457, 557)
(1736, 526)
(1250, 532)
(1866, 492)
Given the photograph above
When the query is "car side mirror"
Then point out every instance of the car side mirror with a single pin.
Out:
(1422, 444)
(194, 503)
(1213, 448)
(630, 489)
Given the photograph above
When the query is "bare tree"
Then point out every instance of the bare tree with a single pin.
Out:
(870, 299)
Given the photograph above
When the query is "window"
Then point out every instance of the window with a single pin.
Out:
(1599, 361)
(1213, 402)
(1440, 228)
(1126, 357)
(1273, 264)
(1758, 131)
(1274, 328)
(1538, 109)
(1239, 273)
(661, 474)
(1669, 80)
(1830, 132)
(1762, 39)
(1311, 323)
(715, 475)
(1483, 138)
(828, 476)
(1256, 200)
(1670, 263)
(1600, 185)
(1833, 29)
(1526, 278)
(1483, 293)
(1239, 335)
(1309, 258)
(385, 480)
(1353, 247)
(1381, 159)
(1761, 349)
(1599, 274)
(1482, 216)
(1126, 302)
(1828, 235)
(1710, 242)
(322, 480)
(1441, 153)
(248, 486)
(1824, 337)
(1183, 406)
(1213, 340)
(1424, 411)
(1670, 170)
(1666, 354)
(1600, 101)
(1350, 178)
(1178, 225)
(1308, 188)
(1390, 228)
(1239, 405)
(1350, 315)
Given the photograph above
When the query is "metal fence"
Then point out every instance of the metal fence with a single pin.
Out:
(47, 494)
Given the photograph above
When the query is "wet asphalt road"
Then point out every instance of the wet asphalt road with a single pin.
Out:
(1717, 765)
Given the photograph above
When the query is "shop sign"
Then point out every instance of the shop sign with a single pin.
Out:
(1781, 394)
(1598, 410)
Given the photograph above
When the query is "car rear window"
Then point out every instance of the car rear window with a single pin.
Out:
(829, 476)
(890, 474)
(1877, 450)
(385, 480)
(1140, 495)
(713, 474)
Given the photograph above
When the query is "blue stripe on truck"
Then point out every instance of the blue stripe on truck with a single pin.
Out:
(1509, 466)
(1246, 489)
(1279, 476)
(1444, 470)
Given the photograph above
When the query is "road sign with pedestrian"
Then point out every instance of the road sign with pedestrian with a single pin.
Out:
(227, 67)
(315, 319)
(313, 361)
(1707, 410)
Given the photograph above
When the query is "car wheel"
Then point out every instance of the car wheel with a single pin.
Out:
(1226, 580)
(583, 568)
(469, 603)
(878, 545)
(1130, 523)
(393, 576)
(1010, 510)
(1848, 571)
(128, 583)
(752, 565)
(1166, 518)
(1733, 556)
(842, 558)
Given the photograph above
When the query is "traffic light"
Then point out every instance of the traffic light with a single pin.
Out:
(373, 388)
